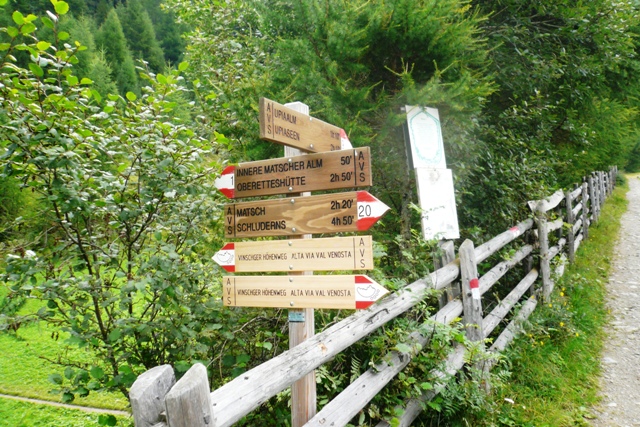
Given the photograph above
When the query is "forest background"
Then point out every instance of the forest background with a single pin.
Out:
(117, 116)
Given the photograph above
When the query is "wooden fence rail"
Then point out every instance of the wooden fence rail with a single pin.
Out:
(158, 401)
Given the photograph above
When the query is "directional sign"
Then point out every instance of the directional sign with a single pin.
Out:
(341, 292)
(310, 172)
(286, 126)
(326, 213)
(333, 253)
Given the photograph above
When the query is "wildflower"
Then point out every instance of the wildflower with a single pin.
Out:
(561, 324)
(550, 305)
(561, 294)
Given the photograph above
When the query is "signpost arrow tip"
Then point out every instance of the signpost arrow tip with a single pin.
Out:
(226, 257)
(225, 182)
(370, 210)
(367, 291)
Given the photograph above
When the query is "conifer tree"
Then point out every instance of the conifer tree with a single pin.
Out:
(100, 74)
(141, 37)
(111, 40)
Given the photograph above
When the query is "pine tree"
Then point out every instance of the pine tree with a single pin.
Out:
(81, 30)
(100, 73)
(140, 35)
(111, 40)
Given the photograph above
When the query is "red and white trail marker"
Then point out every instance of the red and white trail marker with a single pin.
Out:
(370, 210)
(225, 182)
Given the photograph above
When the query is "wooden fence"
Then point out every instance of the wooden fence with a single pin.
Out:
(158, 400)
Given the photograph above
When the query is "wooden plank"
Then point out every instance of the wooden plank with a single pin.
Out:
(189, 401)
(335, 291)
(147, 395)
(575, 193)
(547, 203)
(240, 396)
(354, 397)
(328, 254)
(487, 249)
(496, 316)
(287, 175)
(287, 126)
(326, 213)
(492, 276)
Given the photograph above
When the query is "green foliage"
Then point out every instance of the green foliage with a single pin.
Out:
(127, 277)
(140, 34)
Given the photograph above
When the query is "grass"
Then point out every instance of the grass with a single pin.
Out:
(23, 414)
(555, 367)
(24, 371)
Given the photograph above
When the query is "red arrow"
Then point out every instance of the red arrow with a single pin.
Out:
(370, 210)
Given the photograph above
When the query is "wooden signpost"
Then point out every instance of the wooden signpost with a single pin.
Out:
(311, 172)
(337, 292)
(297, 218)
(326, 213)
(329, 254)
(289, 127)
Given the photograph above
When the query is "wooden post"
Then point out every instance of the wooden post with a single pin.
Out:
(301, 327)
(147, 395)
(602, 190)
(585, 210)
(593, 205)
(571, 221)
(443, 256)
(471, 301)
(545, 268)
(188, 403)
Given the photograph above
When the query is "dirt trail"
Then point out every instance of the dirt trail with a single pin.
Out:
(620, 380)
(65, 405)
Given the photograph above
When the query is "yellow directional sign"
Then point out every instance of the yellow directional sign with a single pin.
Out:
(287, 126)
(326, 213)
(336, 291)
(328, 254)
(310, 172)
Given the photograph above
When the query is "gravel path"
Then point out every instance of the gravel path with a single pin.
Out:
(620, 382)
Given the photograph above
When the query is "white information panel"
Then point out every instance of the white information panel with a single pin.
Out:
(425, 137)
(438, 203)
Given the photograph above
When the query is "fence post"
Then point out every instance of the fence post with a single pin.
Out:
(471, 303)
(443, 256)
(593, 205)
(545, 268)
(585, 210)
(571, 221)
(147, 395)
(188, 403)
(603, 194)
